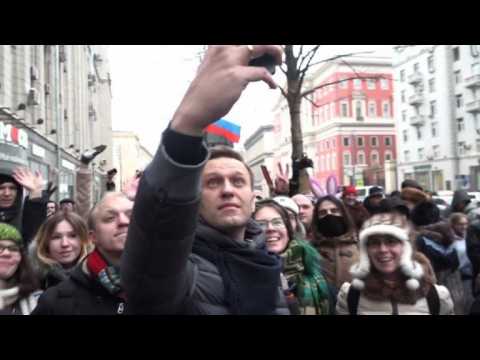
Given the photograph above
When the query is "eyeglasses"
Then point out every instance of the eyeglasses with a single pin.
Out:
(277, 223)
(325, 212)
(10, 248)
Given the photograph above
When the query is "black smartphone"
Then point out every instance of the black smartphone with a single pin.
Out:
(267, 61)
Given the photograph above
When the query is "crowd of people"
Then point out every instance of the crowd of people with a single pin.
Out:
(189, 235)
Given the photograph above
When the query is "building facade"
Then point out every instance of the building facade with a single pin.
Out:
(129, 156)
(60, 96)
(437, 98)
(348, 127)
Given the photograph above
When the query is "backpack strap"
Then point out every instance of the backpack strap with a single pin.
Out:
(433, 301)
(353, 297)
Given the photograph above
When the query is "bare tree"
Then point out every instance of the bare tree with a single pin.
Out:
(296, 68)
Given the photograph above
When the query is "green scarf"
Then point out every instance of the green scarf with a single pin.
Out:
(301, 266)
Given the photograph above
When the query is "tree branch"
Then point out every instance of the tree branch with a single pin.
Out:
(340, 56)
(310, 54)
(284, 93)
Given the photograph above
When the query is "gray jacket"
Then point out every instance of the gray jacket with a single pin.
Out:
(159, 272)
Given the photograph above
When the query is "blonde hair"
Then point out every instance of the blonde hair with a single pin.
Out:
(45, 233)
(456, 217)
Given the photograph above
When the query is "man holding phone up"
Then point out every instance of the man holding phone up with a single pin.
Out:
(192, 247)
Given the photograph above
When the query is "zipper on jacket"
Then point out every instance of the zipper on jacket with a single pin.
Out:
(120, 308)
(394, 307)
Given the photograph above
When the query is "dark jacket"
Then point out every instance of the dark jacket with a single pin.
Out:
(78, 295)
(473, 252)
(160, 273)
(471, 210)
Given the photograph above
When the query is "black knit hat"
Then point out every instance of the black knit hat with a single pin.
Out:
(7, 178)
(410, 183)
(425, 213)
(375, 190)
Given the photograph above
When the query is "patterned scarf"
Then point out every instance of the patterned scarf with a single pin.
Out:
(301, 266)
(107, 275)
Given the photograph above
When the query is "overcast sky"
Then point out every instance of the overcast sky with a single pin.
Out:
(148, 83)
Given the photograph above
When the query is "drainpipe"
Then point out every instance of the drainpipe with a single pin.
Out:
(56, 111)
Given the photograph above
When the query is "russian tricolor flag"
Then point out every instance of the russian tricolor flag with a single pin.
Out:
(225, 128)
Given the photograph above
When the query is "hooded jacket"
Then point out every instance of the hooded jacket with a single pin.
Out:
(471, 210)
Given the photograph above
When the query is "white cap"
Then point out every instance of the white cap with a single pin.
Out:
(287, 203)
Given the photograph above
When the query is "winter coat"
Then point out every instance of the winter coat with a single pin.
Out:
(381, 298)
(10, 304)
(339, 254)
(436, 242)
(159, 271)
(80, 294)
(473, 252)
(358, 213)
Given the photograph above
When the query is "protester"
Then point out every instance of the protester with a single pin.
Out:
(473, 252)
(305, 205)
(355, 208)
(293, 215)
(412, 196)
(93, 287)
(18, 284)
(462, 202)
(52, 208)
(301, 262)
(390, 278)
(372, 201)
(335, 238)
(67, 205)
(28, 215)
(62, 241)
(229, 270)
(436, 240)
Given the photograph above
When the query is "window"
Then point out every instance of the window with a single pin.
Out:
(419, 134)
(346, 141)
(388, 141)
(416, 67)
(433, 108)
(388, 156)
(477, 144)
(374, 141)
(334, 161)
(431, 85)
(458, 77)
(406, 155)
(434, 129)
(327, 112)
(372, 109)
(344, 109)
(346, 159)
(404, 115)
(360, 158)
(436, 151)
(321, 113)
(405, 135)
(459, 100)
(371, 84)
(327, 162)
(322, 163)
(402, 75)
(357, 84)
(430, 64)
(327, 144)
(461, 148)
(403, 96)
(374, 157)
(384, 84)
(476, 68)
(421, 154)
(343, 84)
(475, 50)
(332, 109)
(358, 110)
(386, 109)
(460, 125)
(360, 141)
(456, 53)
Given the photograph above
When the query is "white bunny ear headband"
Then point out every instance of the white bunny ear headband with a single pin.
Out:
(412, 269)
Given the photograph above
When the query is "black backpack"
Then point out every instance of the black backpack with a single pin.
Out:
(433, 300)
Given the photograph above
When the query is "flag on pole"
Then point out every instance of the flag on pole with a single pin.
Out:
(226, 129)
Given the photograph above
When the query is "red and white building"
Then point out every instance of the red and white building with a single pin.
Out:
(350, 131)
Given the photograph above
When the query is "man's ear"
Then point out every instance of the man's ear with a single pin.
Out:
(91, 236)
(252, 201)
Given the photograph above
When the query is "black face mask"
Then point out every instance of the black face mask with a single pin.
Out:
(332, 225)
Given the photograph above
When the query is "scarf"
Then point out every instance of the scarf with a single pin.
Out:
(108, 276)
(301, 266)
(8, 297)
(251, 275)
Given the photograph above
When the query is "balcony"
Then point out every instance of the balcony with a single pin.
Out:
(418, 120)
(415, 78)
(415, 100)
(473, 81)
(473, 107)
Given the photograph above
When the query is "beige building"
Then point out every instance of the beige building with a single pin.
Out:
(59, 94)
(128, 156)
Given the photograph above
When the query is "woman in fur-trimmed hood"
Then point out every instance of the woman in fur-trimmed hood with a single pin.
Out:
(390, 276)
